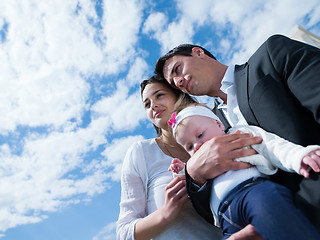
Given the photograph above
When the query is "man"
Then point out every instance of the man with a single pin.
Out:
(278, 89)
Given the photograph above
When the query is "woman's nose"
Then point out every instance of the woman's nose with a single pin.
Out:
(154, 105)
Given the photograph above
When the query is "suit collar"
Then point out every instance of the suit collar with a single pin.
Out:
(241, 84)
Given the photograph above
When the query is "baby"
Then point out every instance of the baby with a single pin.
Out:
(247, 196)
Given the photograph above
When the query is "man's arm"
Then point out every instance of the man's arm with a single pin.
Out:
(215, 157)
(299, 66)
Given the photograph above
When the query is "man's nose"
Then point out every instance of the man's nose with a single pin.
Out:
(179, 81)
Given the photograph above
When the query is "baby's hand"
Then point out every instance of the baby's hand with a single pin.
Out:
(176, 165)
(310, 161)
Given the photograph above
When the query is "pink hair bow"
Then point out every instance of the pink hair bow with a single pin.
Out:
(172, 120)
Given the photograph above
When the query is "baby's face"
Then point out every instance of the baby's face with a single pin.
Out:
(193, 131)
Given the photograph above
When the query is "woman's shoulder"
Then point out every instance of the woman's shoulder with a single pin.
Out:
(137, 155)
(143, 144)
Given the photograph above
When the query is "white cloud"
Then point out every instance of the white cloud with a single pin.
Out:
(46, 97)
(138, 71)
(40, 179)
(56, 34)
(122, 110)
(190, 14)
(43, 64)
(195, 11)
(169, 35)
(107, 233)
(129, 113)
(251, 22)
(43, 59)
(116, 151)
(155, 22)
(56, 54)
(120, 29)
(9, 220)
(246, 23)
(50, 52)
(314, 20)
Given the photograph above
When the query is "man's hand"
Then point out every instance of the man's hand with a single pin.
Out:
(215, 157)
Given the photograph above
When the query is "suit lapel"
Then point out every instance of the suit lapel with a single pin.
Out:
(241, 84)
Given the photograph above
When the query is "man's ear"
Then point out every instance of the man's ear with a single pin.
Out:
(197, 51)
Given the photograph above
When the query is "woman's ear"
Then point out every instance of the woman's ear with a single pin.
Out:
(220, 125)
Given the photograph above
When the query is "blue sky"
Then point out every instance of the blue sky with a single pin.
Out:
(70, 102)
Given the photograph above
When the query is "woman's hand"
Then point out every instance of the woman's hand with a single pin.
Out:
(215, 157)
(175, 198)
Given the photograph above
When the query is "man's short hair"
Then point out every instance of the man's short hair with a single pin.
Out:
(182, 50)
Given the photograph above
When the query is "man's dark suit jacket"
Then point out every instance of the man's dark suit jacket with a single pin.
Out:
(278, 89)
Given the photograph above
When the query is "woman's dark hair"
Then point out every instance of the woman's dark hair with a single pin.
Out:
(184, 102)
(158, 79)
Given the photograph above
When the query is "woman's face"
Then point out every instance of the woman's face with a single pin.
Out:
(158, 101)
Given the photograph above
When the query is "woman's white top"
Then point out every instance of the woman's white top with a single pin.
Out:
(143, 180)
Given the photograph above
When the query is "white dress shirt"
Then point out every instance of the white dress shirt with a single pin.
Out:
(231, 109)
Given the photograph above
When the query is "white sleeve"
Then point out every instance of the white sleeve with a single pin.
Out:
(282, 153)
(133, 192)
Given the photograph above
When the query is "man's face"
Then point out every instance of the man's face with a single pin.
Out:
(190, 74)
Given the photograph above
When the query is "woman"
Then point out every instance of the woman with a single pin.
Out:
(153, 203)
